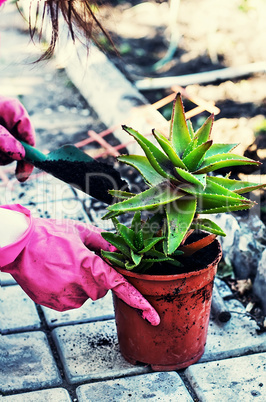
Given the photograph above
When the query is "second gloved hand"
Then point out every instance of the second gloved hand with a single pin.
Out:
(15, 125)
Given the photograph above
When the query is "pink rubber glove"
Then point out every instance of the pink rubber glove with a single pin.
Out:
(15, 123)
(55, 268)
(2, 1)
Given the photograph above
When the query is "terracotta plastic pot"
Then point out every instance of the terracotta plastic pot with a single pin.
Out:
(183, 302)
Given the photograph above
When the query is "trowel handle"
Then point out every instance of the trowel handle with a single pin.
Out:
(33, 154)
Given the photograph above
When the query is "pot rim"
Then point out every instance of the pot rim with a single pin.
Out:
(165, 278)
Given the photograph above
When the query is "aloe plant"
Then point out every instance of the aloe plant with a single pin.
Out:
(138, 247)
(177, 174)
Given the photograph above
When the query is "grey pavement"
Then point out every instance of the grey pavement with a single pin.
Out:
(74, 356)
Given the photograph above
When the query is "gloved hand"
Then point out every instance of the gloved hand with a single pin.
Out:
(55, 266)
(2, 1)
(15, 123)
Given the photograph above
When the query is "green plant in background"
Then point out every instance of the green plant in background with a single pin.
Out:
(181, 185)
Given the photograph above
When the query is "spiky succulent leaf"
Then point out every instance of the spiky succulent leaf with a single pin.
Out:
(152, 226)
(130, 265)
(225, 160)
(121, 194)
(115, 223)
(213, 187)
(179, 133)
(143, 166)
(194, 159)
(136, 222)
(207, 225)
(237, 186)
(118, 242)
(150, 243)
(203, 133)
(192, 145)
(157, 257)
(139, 242)
(179, 218)
(158, 160)
(217, 198)
(128, 235)
(213, 203)
(168, 149)
(111, 215)
(148, 199)
(190, 129)
(185, 176)
(116, 259)
(218, 149)
(136, 258)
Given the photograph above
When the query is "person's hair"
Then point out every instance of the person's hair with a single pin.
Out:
(78, 14)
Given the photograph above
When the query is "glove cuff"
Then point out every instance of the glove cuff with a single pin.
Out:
(9, 253)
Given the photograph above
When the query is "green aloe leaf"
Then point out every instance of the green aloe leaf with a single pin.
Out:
(191, 146)
(158, 160)
(210, 203)
(117, 241)
(168, 149)
(151, 198)
(143, 166)
(208, 225)
(136, 222)
(130, 266)
(139, 241)
(203, 133)
(157, 258)
(190, 129)
(198, 180)
(121, 194)
(237, 186)
(136, 258)
(218, 149)
(195, 157)
(215, 196)
(116, 259)
(179, 217)
(149, 243)
(111, 215)
(213, 187)
(152, 226)
(128, 235)
(215, 210)
(179, 133)
(225, 160)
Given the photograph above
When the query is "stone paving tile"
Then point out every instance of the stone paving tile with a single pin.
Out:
(236, 337)
(27, 362)
(6, 279)
(39, 191)
(164, 387)
(101, 309)
(46, 197)
(238, 379)
(17, 311)
(91, 352)
(46, 395)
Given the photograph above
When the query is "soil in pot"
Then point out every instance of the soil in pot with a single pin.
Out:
(183, 302)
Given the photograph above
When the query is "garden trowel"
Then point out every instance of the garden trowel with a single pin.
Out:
(73, 166)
